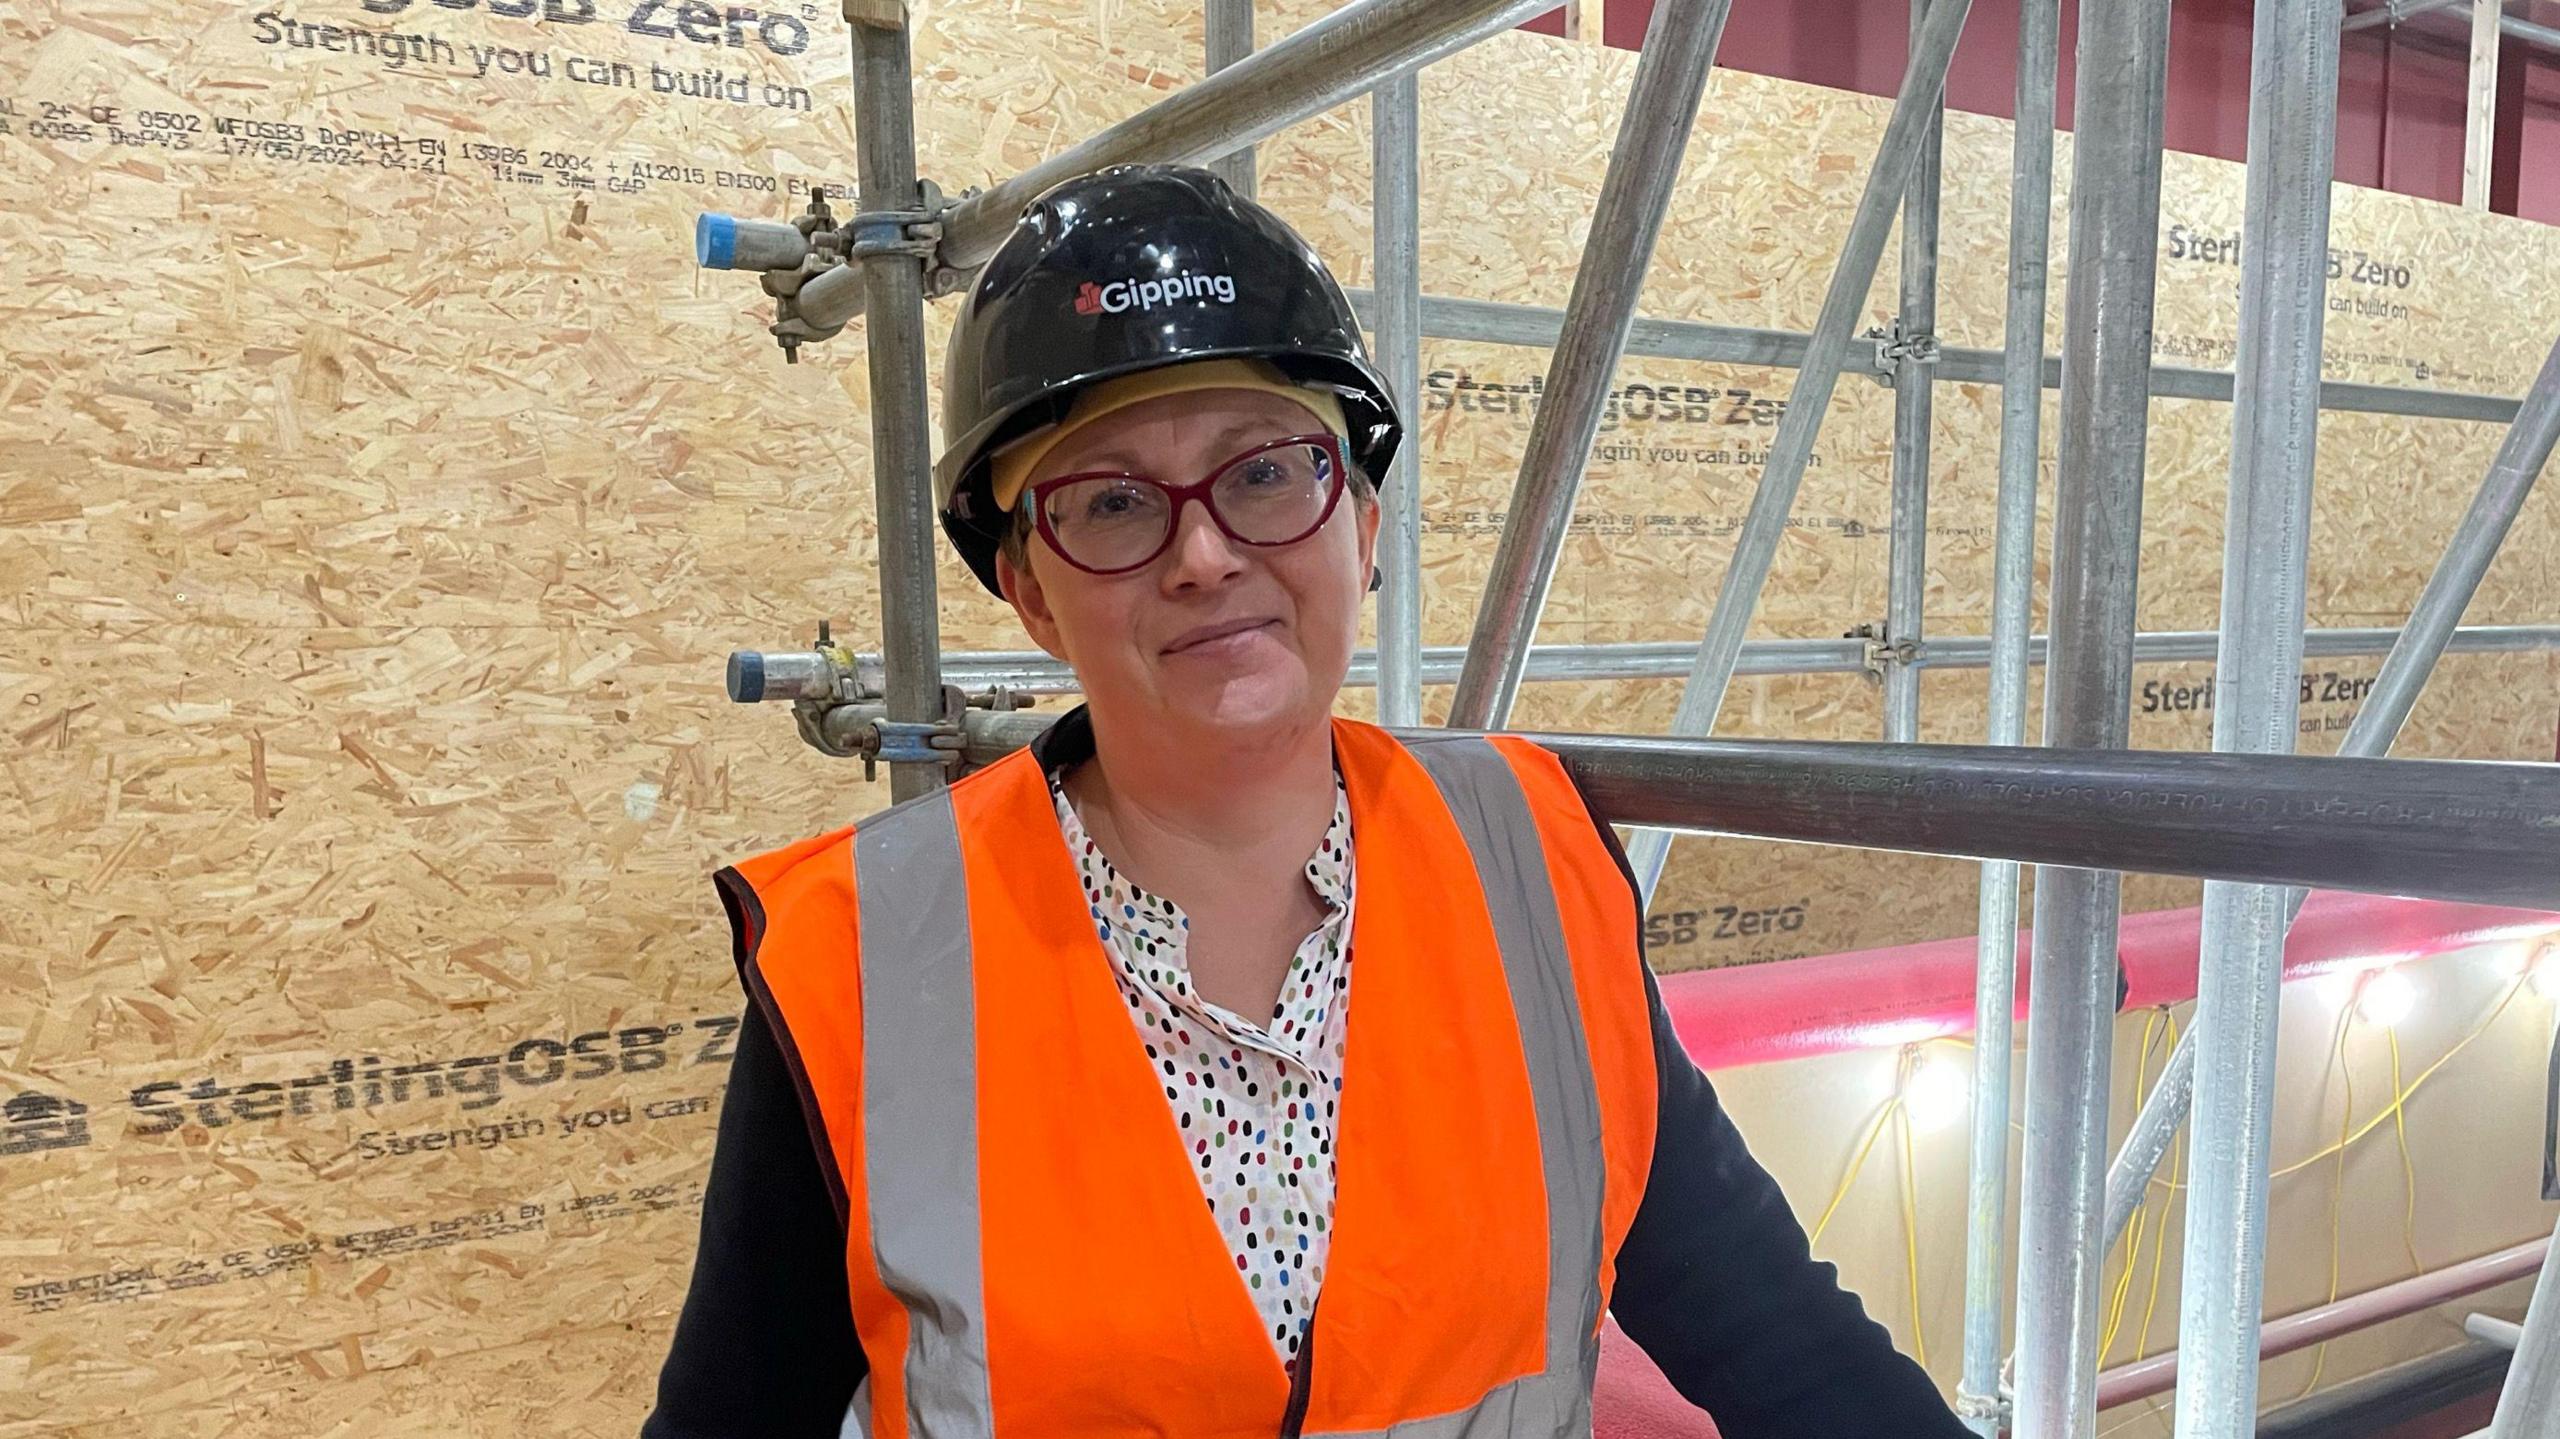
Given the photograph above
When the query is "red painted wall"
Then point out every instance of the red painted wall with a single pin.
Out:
(2401, 93)
(2537, 130)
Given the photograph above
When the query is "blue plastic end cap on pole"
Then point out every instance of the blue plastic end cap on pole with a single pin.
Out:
(746, 673)
(715, 240)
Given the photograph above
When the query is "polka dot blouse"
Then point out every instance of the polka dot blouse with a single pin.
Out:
(1254, 1100)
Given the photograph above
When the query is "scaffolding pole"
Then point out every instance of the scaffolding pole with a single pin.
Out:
(2097, 545)
(2303, 1328)
(1662, 107)
(1499, 322)
(1913, 345)
(1395, 111)
(2469, 831)
(2012, 607)
(2293, 124)
(2432, 631)
(1338, 58)
(1915, 109)
(1029, 672)
(2529, 1405)
(901, 448)
(1230, 38)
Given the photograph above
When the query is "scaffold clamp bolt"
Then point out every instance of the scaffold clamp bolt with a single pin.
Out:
(1995, 1407)
(1882, 651)
(1897, 347)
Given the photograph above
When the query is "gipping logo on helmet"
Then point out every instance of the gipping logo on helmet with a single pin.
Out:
(1120, 296)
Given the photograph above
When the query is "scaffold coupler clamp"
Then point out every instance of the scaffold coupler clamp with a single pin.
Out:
(801, 263)
(914, 234)
(901, 232)
(1897, 347)
(811, 266)
(1995, 1407)
(1879, 652)
(935, 742)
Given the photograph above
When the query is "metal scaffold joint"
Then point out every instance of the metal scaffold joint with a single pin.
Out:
(1993, 1407)
(837, 696)
(898, 742)
(1880, 651)
(915, 232)
(1897, 347)
(813, 265)
(864, 732)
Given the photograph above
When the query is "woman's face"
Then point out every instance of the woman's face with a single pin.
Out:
(1211, 635)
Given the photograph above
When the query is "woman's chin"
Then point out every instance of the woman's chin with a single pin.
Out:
(1263, 699)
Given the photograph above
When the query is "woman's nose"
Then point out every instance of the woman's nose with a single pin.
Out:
(1201, 553)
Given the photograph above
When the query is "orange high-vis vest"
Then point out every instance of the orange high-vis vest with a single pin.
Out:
(1028, 1249)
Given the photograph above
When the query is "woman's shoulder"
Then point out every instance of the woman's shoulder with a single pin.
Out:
(768, 868)
(831, 851)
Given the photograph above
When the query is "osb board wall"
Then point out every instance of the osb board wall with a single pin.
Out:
(383, 488)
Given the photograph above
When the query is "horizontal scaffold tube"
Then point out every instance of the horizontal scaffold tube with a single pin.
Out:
(2470, 830)
(1031, 672)
(1498, 322)
(2300, 1330)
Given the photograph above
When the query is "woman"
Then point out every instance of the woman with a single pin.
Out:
(1074, 1100)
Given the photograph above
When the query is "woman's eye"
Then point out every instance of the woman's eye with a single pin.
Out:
(1118, 502)
(1264, 473)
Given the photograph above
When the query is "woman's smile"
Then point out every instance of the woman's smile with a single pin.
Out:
(1226, 640)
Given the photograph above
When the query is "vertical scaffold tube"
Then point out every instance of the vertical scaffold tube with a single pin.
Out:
(2432, 629)
(2012, 604)
(2097, 544)
(1907, 567)
(2293, 123)
(1396, 121)
(901, 447)
(1229, 24)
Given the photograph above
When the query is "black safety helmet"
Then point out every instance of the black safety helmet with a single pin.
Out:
(1128, 269)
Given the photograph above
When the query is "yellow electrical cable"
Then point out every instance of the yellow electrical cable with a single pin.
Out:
(2348, 1135)
(2132, 1251)
(2133, 1234)
(2408, 1169)
(2403, 1097)
(2135, 1231)
(1859, 1163)
(1911, 1235)
(2339, 1060)
(1894, 1109)
(2397, 1101)
(2159, 1251)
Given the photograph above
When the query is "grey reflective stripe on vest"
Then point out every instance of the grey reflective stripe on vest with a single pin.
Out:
(920, 1107)
(1492, 812)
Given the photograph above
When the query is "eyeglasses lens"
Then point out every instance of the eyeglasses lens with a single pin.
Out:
(1269, 497)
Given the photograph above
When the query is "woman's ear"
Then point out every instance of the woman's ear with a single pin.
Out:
(1371, 514)
(1030, 604)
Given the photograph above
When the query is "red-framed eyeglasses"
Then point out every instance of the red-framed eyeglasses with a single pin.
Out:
(1109, 522)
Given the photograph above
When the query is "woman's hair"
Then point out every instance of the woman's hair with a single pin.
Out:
(1016, 544)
